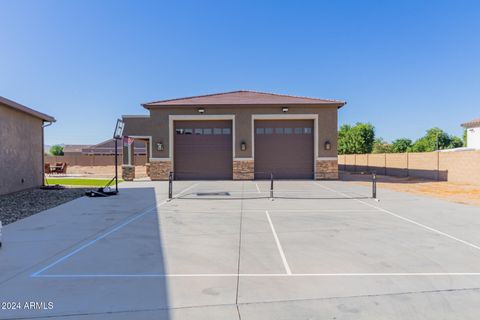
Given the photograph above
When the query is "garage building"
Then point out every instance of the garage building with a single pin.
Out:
(21, 146)
(239, 135)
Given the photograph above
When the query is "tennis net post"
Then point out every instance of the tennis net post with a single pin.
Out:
(271, 186)
(374, 185)
(170, 185)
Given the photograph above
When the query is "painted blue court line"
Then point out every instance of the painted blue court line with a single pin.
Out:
(88, 244)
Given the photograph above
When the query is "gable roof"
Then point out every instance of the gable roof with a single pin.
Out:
(243, 97)
(472, 123)
(74, 147)
(20, 107)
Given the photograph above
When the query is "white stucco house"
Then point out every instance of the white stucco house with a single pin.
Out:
(473, 133)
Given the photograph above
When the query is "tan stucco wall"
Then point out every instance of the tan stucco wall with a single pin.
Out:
(157, 125)
(20, 151)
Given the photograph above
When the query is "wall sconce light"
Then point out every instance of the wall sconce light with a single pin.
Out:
(243, 146)
(160, 146)
(285, 110)
(201, 110)
(328, 145)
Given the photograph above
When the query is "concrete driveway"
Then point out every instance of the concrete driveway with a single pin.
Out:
(320, 250)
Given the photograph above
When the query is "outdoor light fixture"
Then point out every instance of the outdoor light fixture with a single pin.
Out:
(285, 110)
(201, 110)
(243, 146)
(160, 146)
(328, 145)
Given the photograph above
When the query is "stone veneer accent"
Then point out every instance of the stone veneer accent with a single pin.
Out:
(326, 169)
(128, 172)
(160, 169)
(147, 168)
(243, 169)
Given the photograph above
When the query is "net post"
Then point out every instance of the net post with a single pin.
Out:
(374, 185)
(271, 186)
(170, 185)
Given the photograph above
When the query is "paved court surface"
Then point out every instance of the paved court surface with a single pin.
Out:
(321, 250)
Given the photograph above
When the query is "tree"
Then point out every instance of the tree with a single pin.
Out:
(56, 150)
(436, 137)
(356, 139)
(381, 146)
(455, 142)
(401, 145)
(465, 135)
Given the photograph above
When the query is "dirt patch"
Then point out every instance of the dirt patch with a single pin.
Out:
(455, 192)
(23, 204)
(103, 171)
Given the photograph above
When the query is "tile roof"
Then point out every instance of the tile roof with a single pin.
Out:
(471, 123)
(18, 106)
(74, 147)
(243, 97)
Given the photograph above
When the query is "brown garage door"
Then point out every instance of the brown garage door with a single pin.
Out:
(203, 150)
(284, 148)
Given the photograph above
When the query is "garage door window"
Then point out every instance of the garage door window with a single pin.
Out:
(217, 131)
(307, 130)
(207, 131)
(260, 131)
(268, 130)
(198, 131)
(279, 130)
(288, 131)
(226, 131)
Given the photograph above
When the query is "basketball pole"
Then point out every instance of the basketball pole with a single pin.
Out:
(116, 165)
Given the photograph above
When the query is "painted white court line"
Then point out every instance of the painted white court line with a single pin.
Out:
(406, 219)
(279, 246)
(262, 211)
(258, 189)
(219, 275)
(106, 234)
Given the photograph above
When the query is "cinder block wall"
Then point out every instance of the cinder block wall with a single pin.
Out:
(462, 167)
(459, 167)
(93, 160)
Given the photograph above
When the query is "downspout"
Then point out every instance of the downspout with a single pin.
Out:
(48, 123)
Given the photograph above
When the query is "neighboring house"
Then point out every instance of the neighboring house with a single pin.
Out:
(21, 151)
(74, 149)
(237, 135)
(473, 133)
(108, 148)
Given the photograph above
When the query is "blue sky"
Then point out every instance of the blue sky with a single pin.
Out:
(404, 66)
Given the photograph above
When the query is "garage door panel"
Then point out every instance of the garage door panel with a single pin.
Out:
(203, 150)
(284, 148)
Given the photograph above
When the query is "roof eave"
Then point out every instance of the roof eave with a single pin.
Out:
(27, 110)
(338, 104)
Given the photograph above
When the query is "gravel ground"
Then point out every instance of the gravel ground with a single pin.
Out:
(23, 204)
(450, 191)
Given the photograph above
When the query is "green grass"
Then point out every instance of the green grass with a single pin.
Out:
(79, 182)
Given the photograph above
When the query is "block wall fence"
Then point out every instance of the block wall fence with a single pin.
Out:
(459, 167)
(93, 160)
